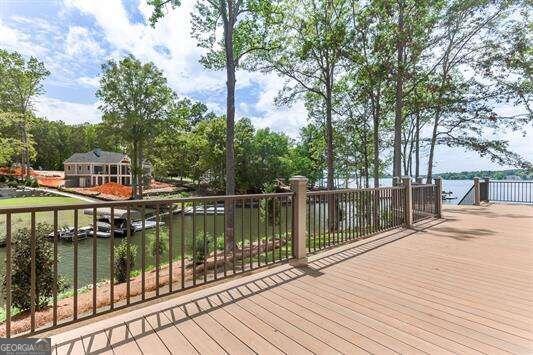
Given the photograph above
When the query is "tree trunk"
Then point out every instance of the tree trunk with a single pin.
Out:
(376, 118)
(417, 145)
(433, 142)
(365, 158)
(332, 218)
(229, 210)
(133, 169)
(141, 170)
(398, 114)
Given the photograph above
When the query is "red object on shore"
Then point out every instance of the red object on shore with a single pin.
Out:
(113, 188)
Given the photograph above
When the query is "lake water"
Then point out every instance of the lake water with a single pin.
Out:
(458, 188)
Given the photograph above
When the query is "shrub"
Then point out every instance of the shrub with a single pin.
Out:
(121, 260)
(13, 183)
(213, 243)
(31, 182)
(21, 268)
(163, 244)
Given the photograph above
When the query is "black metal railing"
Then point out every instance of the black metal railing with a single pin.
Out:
(510, 191)
(338, 216)
(115, 254)
(67, 263)
(424, 197)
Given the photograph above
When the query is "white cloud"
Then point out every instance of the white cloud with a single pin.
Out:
(69, 112)
(91, 82)
(79, 42)
(12, 39)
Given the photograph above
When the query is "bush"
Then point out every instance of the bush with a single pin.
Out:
(21, 268)
(160, 249)
(31, 182)
(121, 260)
(212, 243)
(13, 183)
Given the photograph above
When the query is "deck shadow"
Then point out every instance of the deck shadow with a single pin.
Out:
(131, 330)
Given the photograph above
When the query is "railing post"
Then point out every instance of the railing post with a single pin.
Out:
(299, 214)
(477, 192)
(487, 189)
(438, 197)
(408, 202)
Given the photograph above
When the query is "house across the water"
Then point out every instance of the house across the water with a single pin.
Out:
(98, 167)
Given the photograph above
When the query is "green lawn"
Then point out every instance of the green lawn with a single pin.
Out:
(21, 220)
(37, 201)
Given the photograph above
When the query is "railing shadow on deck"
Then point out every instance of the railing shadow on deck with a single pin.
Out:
(173, 316)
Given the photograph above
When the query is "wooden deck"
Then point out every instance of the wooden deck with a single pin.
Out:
(459, 285)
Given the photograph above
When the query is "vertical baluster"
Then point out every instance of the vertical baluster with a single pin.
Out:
(266, 230)
(234, 241)
(95, 257)
(215, 241)
(8, 277)
(128, 256)
(274, 220)
(194, 243)
(75, 239)
(182, 244)
(250, 239)
(112, 260)
(56, 276)
(158, 249)
(320, 222)
(206, 249)
(32, 273)
(170, 245)
(279, 199)
(314, 222)
(259, 240)
(242, 235)
(143, 253)
(287, 228)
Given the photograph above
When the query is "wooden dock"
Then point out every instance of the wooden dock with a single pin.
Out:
(459, 285)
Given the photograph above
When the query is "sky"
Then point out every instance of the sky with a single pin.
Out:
(75, 37)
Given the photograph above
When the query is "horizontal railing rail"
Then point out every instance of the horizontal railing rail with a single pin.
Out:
(67, 263)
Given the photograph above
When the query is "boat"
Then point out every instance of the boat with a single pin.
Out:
(447, 195)
(120, 225)
(219, 209)
(68, 233)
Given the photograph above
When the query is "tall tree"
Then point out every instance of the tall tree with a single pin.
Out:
(305, 46)
(134, 98)
(238, 22)
(370, 60)
(20, 82)
(466, 29)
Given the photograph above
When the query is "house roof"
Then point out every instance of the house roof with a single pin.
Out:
(97, 156)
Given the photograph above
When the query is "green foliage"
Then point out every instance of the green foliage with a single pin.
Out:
(213, 244)
(523, 174)
(122, 251)
(161, 247)
(135, 98)
(21, 268)
(31, 182)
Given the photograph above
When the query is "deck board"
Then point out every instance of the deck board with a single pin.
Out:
(463, 284)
